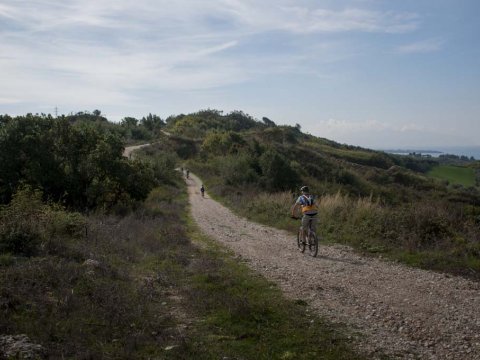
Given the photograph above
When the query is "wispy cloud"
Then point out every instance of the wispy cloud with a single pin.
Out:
(110, 49)
(350, 19)
(337, 125)
(382, 134)
(5, 101)
(6, 11)
(421, 47)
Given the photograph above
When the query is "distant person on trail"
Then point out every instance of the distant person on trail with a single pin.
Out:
(306, 202)
(188, 173)
(202, 190)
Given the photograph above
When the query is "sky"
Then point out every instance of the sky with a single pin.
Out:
(373, 73)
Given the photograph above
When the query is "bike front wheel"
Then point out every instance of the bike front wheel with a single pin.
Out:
(300, 241)
(312, 244)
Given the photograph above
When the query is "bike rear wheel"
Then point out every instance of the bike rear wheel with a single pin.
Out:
(300, 241)
(312, 244)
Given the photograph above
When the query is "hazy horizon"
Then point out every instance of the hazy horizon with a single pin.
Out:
(371, 73)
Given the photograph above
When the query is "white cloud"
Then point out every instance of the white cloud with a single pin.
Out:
(338, 126)
(109, 50)
(380, 134)
(6, 100)
(6, 11)
(421, 47)
(350, 19)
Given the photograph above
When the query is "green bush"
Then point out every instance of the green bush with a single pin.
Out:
(79, 164)
(236, 169)
(28, 226)
(277, 173)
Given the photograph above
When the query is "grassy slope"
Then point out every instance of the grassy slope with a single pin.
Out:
(421, 235)
(454, 174)
(403, 213)
(160, 290)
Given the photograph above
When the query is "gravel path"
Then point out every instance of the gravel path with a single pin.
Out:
(403, 312)
(130, 149)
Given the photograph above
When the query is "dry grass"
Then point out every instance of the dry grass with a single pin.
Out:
(430, 234)
(97, 293)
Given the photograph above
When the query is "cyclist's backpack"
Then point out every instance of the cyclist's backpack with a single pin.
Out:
(309, 200)
(309, 206)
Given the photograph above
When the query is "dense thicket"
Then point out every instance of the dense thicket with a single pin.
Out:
(78, 163)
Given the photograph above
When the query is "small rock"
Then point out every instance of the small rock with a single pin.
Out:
(19, 346)
(92, 263)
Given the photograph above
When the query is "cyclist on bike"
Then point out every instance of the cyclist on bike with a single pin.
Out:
(306, 202)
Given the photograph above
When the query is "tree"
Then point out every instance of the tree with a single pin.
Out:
(152, 122)
(129, 122)
(80, 164)
(221, 143)
(268, 122)
(277, 173)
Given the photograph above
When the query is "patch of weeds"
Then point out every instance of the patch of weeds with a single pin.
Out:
(6, 259)
(97, 286)
(240, 315)
(373, 248)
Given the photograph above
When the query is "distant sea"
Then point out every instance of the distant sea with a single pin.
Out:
(435, 152)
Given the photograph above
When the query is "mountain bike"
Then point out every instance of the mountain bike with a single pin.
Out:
(311, 241)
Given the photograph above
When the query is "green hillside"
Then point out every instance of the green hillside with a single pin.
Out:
(100, 259)
(98, 256)
(454, 174)
(376, 202)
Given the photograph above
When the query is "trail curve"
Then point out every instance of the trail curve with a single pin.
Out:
(128, 151)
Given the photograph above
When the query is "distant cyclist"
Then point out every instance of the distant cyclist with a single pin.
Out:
(202, 190)
(306, 202)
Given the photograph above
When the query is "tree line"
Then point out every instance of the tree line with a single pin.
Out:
(76, 160)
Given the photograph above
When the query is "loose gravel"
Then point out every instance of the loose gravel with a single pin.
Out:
(403, 312)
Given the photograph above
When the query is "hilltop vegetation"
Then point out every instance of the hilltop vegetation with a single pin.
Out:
(96, 255)
(377, 202)
(98, 260)
(77, 161)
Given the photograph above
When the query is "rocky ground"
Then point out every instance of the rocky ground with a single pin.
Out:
(396, 310)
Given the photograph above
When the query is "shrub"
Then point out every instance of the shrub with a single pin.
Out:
(28, 226)
(277, 174)
(236, 169)
(221, 143)
(79, 164)
(20, 223)
(164, 167)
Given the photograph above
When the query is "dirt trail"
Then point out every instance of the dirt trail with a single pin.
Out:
(400, 311)
(130, 149)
